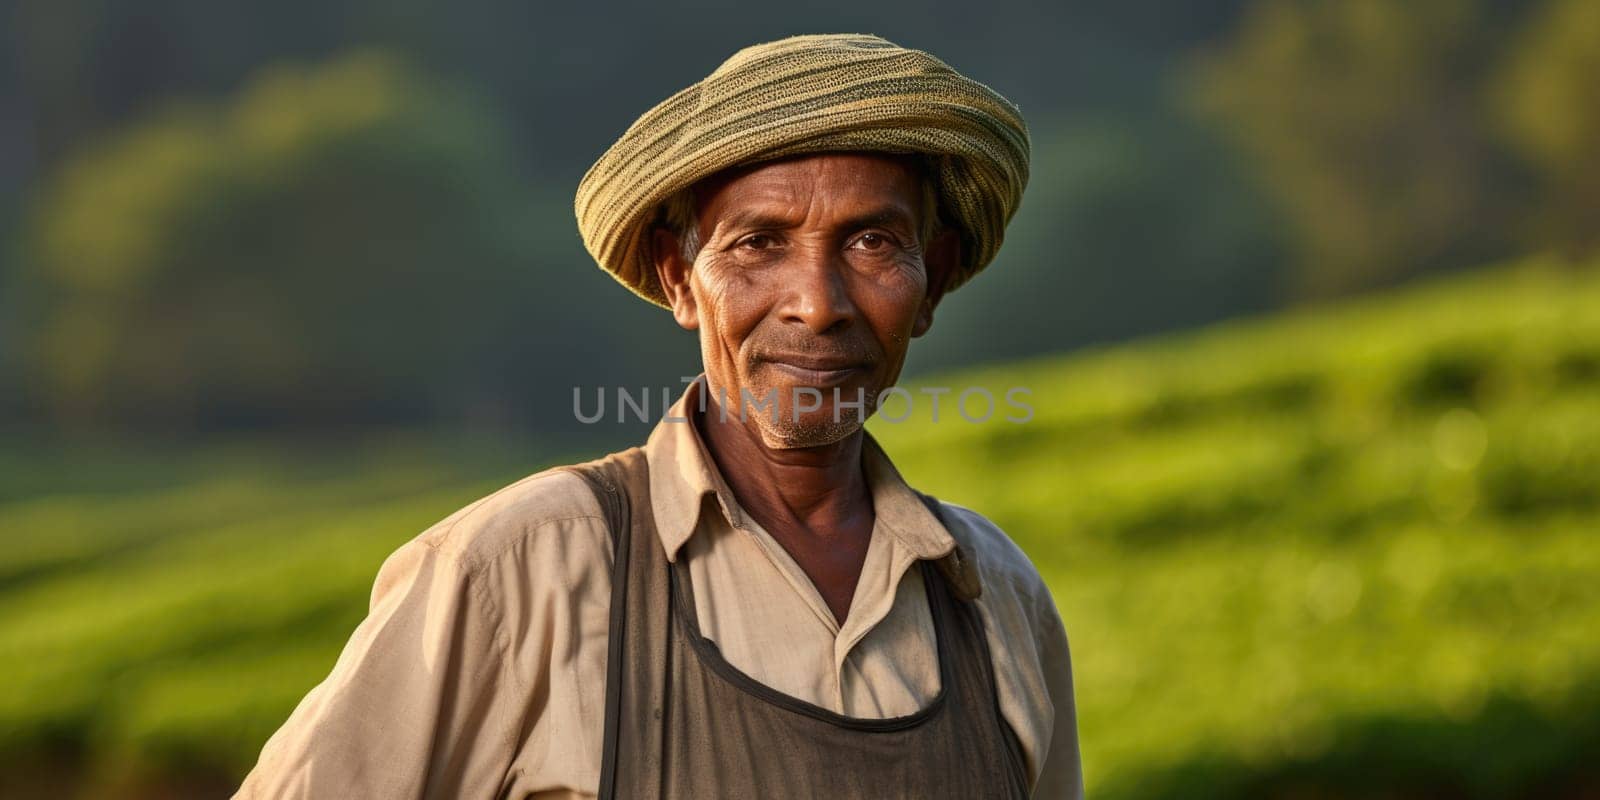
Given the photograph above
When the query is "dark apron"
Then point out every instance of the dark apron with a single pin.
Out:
(681, 722)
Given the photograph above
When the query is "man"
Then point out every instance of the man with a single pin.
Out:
(754, 603)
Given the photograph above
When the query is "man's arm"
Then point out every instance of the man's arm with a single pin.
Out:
(485, 638)
(1062, 773)
(1033, 665)
(408, 710)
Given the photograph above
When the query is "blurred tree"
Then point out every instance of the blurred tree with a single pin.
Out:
(1363, 118)
(325, 249)
(12, 417)
(1132, 223)
(1546, 97)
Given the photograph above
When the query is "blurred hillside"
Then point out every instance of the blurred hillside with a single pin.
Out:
(1339, 553)
(315, 218)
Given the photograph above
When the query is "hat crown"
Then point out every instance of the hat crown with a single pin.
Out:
(821, 46)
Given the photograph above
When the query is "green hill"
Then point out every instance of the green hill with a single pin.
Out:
(1342, 552)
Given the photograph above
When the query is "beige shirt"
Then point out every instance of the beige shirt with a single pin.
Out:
(480, 670)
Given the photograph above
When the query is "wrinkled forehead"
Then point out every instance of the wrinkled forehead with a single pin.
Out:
(848, 178)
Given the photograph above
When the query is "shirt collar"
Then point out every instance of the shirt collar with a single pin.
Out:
(683, 474)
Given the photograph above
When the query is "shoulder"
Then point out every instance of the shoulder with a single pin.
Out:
(1003, 568)
(552, 507)
(1016, 603)
(543, 532)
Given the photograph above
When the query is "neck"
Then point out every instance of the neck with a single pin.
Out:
(821, 490)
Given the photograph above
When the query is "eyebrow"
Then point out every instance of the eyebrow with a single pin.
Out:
(884, 217)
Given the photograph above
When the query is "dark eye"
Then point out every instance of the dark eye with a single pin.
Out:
(872, 241)
(757, 241)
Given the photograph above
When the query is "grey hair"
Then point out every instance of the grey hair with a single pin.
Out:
(678, 212)
(678, 215)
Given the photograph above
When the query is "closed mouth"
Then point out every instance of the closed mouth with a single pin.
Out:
(815, 363)
(814, 371)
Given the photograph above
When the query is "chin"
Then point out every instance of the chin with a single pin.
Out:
(811, 430)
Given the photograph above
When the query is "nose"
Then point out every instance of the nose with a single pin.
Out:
(815, 293)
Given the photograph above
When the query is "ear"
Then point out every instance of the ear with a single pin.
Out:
(672, 271)
(940, 260)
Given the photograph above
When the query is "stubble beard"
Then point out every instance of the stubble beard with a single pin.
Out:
(787, 433)
(778, 428)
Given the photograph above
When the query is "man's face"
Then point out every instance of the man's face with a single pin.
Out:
(808, 287)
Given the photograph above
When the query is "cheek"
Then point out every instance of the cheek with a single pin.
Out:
(893, 299)
(730, 307)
